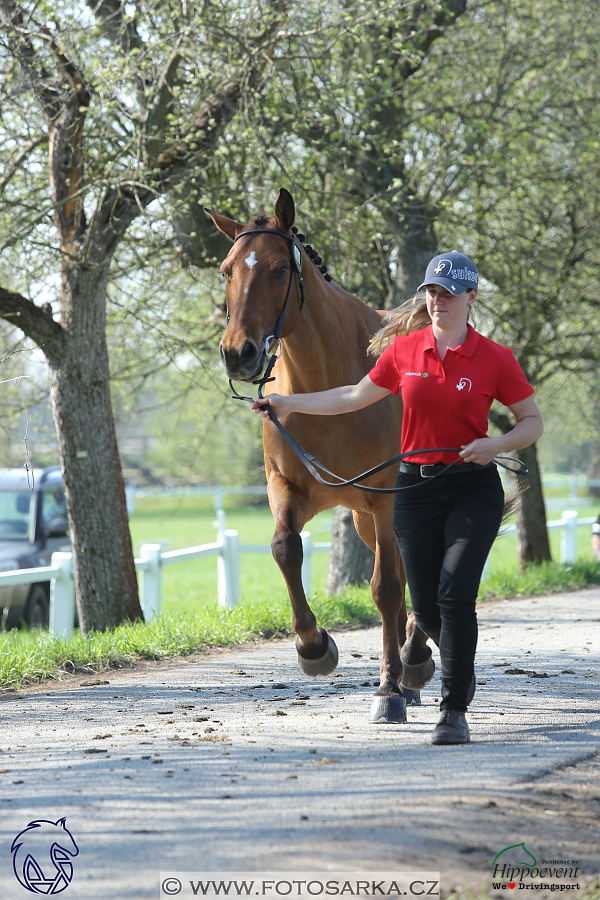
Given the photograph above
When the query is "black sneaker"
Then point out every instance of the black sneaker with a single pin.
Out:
(451, 729)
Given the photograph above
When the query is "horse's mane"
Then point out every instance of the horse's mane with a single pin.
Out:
(312, 255)
(406, 318)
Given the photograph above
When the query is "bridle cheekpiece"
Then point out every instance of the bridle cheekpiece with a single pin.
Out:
(295, 269)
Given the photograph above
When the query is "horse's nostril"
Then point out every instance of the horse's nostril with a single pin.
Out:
(222, 353)
(248, 353)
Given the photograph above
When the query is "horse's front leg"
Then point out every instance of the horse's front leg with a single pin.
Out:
(317, 652)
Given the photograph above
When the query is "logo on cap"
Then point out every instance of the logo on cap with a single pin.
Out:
(456, 272)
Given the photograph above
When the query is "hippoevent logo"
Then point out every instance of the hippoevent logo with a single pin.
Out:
(521, 870)
(42, 856)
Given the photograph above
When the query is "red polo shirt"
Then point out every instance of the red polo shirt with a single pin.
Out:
(446, 404)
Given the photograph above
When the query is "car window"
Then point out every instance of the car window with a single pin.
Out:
(54, 508)
(17, 509)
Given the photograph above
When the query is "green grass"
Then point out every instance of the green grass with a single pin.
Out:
(34, 656)
(186, 522)
(191, 620)
(37, 656)
(546, 578)
(503, 557)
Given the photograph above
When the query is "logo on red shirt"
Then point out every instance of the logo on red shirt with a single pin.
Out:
(463, 383)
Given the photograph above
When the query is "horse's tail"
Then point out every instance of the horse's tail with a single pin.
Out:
(511, 498)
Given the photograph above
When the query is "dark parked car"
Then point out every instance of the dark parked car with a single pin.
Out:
(33, 525)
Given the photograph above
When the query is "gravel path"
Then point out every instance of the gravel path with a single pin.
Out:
(235, 761)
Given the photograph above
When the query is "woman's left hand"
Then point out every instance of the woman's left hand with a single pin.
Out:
(481, 451)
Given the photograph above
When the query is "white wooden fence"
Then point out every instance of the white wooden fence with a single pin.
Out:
(227, 549)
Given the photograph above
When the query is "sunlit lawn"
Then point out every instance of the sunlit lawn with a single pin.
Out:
(180, 524)
(185, 522)
(264, 611)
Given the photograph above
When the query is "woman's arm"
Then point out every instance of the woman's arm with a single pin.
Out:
(528, 429)
(324, 403)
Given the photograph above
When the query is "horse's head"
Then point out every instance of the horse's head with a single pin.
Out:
(257, 271)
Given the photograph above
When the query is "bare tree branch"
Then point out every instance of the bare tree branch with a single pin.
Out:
(163, 103)
(19, 159)
(64, 109)
(34, 321)
(123, 203)
(45, 86)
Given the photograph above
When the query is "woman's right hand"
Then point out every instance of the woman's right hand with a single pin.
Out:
(277, 402)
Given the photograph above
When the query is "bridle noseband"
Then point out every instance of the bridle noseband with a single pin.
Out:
(295, 269)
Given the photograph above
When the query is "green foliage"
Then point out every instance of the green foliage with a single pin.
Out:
(545, 578)
(515, 179)
(395, 146)
(36, 656)
(397, 129)
(25, 656)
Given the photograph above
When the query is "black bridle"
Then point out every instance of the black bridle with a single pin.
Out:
(307, 459)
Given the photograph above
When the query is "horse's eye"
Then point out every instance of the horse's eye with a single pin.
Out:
(284, 270)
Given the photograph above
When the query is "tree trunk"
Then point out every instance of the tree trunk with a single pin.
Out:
(533, 545)
(593, 471)
(417, 244)
(105, 579)
(350, 561)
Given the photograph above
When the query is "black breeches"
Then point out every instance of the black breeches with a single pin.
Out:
(445, 530)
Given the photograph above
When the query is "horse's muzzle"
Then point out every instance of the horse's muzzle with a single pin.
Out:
(245, 364)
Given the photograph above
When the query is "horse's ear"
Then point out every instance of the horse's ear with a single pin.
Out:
(285, 210)
(227, 226)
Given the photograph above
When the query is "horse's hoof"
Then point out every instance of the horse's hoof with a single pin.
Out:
(416, 677)
(471, 692)
(413, 698)
(388, 710)
(326, 663)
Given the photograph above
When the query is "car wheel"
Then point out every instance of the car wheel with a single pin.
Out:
(37, 608)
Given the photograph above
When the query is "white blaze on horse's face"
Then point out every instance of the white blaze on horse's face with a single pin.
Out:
(251, 260)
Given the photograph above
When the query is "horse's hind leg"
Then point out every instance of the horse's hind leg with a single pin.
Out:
(317, 652)
(387, 589)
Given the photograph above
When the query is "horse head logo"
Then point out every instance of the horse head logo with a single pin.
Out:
(441, 267)
(42, 856)
(513, 854)
(464, 383)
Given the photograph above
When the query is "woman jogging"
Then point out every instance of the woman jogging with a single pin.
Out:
(448, 375)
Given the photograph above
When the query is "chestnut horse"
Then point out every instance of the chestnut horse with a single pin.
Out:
(323, 345)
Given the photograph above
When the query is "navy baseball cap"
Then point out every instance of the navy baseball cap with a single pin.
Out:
(454, 271)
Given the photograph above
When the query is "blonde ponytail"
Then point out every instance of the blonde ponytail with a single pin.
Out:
(411, 316)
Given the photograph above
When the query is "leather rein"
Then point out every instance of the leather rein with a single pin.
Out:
(306, 458)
